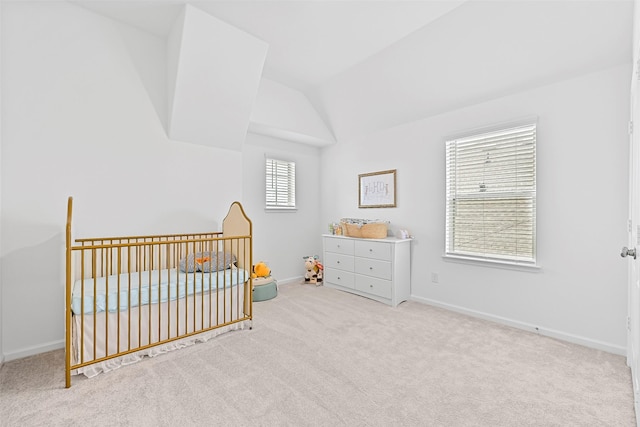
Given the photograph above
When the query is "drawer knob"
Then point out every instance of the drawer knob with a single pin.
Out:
(337, 262)
(370, 250)
(370, 268)
(371, 286)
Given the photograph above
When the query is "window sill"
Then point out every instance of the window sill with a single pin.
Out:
(509, 265)
(275, 210)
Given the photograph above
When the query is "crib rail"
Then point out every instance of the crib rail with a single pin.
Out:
(107, 256)
(211, 272)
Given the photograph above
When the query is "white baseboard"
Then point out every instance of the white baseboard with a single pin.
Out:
(298, 279)
(32, 351)
(575, 339)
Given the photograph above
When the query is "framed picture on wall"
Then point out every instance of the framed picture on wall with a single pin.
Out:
(377, 189)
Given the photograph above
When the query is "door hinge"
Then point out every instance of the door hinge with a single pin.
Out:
(630, 127)
(628, 323)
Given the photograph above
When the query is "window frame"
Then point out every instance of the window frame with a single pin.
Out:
(487, 257)
(286, 186)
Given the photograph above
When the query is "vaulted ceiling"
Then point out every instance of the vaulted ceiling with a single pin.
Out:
(309, 41)
(366, 65)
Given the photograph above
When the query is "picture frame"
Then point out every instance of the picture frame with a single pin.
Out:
(377, 189)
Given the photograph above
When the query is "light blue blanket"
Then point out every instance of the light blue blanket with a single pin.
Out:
(147, 287)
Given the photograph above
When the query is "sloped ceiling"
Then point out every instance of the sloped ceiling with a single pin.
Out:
(366, 65)
(214, 75)
(285, 113)
(482, 50)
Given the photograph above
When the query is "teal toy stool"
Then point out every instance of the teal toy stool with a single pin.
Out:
(264, 288)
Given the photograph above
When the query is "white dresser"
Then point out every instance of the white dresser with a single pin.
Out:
(379, 269)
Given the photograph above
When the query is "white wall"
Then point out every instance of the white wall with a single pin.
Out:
(636, 29)
(79, 103)
(580, 292)
(80, 119)
(282, 239)
(1, 311)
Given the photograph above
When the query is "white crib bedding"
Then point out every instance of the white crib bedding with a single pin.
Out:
(153, 328)
(148, 287)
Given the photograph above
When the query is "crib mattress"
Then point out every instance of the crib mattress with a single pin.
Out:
(120, 292)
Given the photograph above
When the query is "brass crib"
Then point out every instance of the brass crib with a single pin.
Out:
(135, 296)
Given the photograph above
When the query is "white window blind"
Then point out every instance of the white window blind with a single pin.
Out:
(281, 184)
(491, 196)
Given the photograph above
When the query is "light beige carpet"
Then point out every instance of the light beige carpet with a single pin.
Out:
(320, 357)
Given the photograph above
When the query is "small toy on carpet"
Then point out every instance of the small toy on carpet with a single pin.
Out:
(265, 286)
(314, 269)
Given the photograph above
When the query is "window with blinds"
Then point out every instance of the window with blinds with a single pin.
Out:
(491, 196)
(281, 184)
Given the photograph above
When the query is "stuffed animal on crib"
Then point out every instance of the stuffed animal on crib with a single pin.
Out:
(261, 270)
(313, 269)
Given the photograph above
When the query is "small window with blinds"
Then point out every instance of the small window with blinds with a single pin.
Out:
(281, 184)
(491, 196)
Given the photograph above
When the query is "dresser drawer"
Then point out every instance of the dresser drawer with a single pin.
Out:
(371, 285)
(338, 261)
(339, 277)
(376, 250)
(338, 245)
(373, 267)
